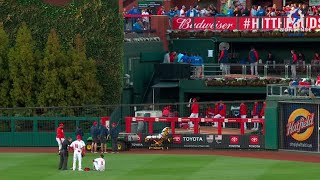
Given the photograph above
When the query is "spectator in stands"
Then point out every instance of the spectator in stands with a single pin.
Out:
(230, 11)
(294, 60)
(263, 109)
(194, 111)
(222, 112)
(138, 26)
(173, 56)
(180, 55)
(223, 60)
(185, 58)
(255, 114)
(166, 58)
(316, 58)
(133, 11)
(203, 12)
(161, 11)
(261, 11)
(145, 19)
(253, 59)
(216, 111)
(270, 58)
(197, 61)
(237, 12)
(245, 12)
(192, 12)
(182, 12)
(253, 10)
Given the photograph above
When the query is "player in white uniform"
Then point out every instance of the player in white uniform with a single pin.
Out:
(99, 164)
(78, 149)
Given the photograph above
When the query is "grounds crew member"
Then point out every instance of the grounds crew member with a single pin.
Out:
(94, 131)
(114, 133)
(103, 138)
(64, 154)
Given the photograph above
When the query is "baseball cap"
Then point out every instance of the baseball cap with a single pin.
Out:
(61, 124)
(95, 123)
(79, 137)
(114, 123)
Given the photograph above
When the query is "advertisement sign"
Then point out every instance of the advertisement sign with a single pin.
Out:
(300, 127)
(152, 5)
(238, 142)
(194, 141)
(294, 21)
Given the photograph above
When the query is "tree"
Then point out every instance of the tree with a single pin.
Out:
(82, 86)
(22, 69)
(4, 71)
(52, 67)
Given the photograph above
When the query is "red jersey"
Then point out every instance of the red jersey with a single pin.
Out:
(255, 109)
(222, 110)
(166, 112)
(60, 133)
(210, 112)
(243, 109)
(262, 110)
(195, 108)
(216, 109)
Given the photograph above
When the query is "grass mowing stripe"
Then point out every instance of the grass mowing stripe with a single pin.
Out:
(155, 166)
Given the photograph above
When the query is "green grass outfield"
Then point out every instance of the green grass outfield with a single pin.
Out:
(32, 166)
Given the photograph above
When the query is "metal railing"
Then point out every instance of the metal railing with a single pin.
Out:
(211, 70)
(281, 90)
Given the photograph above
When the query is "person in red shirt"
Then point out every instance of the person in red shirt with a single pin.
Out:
(216, 111)
(243, 113)
(166, 111)
(255, 114)
(161, 11)
(60, 136)
(194, 111)
(222, 112)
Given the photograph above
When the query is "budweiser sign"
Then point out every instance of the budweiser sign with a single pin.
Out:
(204, 23)
(246, 23)
(300, 125)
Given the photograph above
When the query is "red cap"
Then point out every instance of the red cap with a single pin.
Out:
(61, 124)
(78, 137)
(114, 123)
(95, 123)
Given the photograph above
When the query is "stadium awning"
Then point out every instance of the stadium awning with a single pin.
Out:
(166, 85)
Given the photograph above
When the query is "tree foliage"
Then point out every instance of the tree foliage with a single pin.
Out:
(82, 87)
(97, 21)
(4, 72)
(52, 80)
(22, 69)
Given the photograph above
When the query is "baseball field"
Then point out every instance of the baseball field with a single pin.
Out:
(163, 166)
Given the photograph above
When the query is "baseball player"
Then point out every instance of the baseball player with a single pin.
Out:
(194, 111)
(255, 114)
(99, 164)
(243, 113)
(60, 136)
(78, 150)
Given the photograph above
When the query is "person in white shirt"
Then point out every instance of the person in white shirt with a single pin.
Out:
(78, 147)
(145, 18)
(99, 164)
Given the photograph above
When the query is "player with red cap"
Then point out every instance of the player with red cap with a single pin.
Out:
(60, 136)
(78, 147)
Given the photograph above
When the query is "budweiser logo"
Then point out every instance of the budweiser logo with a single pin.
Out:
(201, 24)
(301, 124)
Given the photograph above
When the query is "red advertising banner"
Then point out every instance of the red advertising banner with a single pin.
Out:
(226, 23)
(247, 23)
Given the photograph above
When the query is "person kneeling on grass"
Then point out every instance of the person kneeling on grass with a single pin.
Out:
(99, 163)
